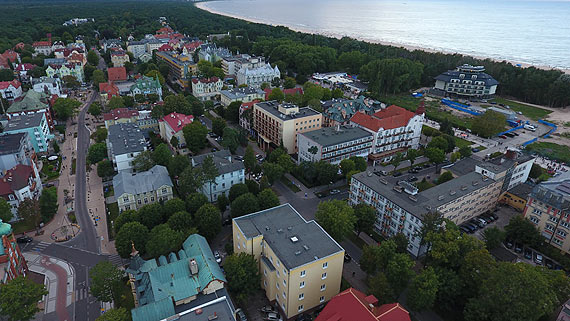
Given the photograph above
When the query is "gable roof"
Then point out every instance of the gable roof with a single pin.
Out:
(109, 88)
(10, 143)
(352, 304)
(6, 84)
(30, 102)
(117, 73)
(15, 179)
(177, 121)
(222, 159)
(143, 182)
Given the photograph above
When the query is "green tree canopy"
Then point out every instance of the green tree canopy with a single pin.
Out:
(489, 124)
(124, 218)
(376, 257)
(195, 136)
(276, 94)
(208, 221)
(236, 190)
(106, 281)
(150, 215)
(48, 203)
(244, 204)
(162, 155)
(493, 237)
(116, 314)
(100, 135)
(379, 286)
(94, 109)
(65, 108)
(423, 290)
(337, 218)
(267, 199)
(218, 126)
(365, 217)
(92, 58)
(242, 272)
(172, 206)
(163, 240)
(194, 201)
(522, 230)
(191, 180)
(143, 161)
(19, 298)
(182, 221)
(97, 152)
(132, 232)
(5, 210)
(177, 165)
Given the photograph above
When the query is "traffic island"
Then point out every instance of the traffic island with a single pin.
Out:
(65, 233)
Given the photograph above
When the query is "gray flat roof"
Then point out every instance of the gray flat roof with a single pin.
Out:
(222, 159)
(241, 92)
(24, 121)
(522, 190)
(10, 143)
(126, 138)
(279, 224)
(329, 136)
(272, 108)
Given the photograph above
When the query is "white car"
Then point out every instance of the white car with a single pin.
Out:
(218, 257)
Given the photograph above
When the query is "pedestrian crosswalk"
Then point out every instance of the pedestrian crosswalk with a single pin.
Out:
(40, 246)
(81, 294)
(116, 259)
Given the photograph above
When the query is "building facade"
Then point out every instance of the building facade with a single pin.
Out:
(206, 88)
(181, 67)
(466, 81)
(10, 90)
(120, 115)
(230, 172)
(37, 128)
(213, 53)
(300, 264)
(333, 144)
(231, 65)
(19, 183)
(48, 86)
(146, 86)
(16, 149)
(136, 190)
(12, 261)
(119, 57)
(256, 76)
(33, 102)
(243, 94)
(276, 123)
(171, 125)
(124, 142)
(69, 69)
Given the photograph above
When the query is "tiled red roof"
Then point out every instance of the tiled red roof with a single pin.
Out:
(6, 84)
(162, 36)
(165, 47)
(25, 67)
(117, 74)
(10, 55)
(41, 44)
(164, 30)
(389, 118)
(177, 121)
(248, 105)
(120, 113)
(192, 45)
(15, 179)
(109, 88)
(20, 45)
(118, 53)
(351, 305)
(205, 80)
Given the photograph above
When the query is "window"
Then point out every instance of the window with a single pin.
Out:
(284, 272)
(301, 308)
(325, 265)
(283, 306)
(303, 273)
(324, 276)
(323, 287)
(277, 284)
(322, 299)
(284, 296)
(284, 283)
(301, 296)
(265, 272)
(302, 284)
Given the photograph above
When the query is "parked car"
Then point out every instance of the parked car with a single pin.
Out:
(347, 257)
(527, 254)
(218, 257)
(227, 222)
(334, 191)
(509, 244)
(464, 229)
(384, 173)
(427, 165)
(268, 308)
(487, 220)
(418, 168)
(474, 150)
(412, 179)
(477, 223)
(396, 174)
(503, 137)
(518, 248)
(24, 239)
(538, 259)
(471, 226)
(548, 263)
(271, 316)
(241, 316)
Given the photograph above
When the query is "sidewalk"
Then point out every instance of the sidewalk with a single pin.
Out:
(59, 281)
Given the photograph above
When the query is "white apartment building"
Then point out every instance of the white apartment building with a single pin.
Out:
(10, 90)
(243, 94)
(50, 86)
(124, 142)
(206, 88)
(231, 65)
(333, 144)
(230, 172)
(254, 77)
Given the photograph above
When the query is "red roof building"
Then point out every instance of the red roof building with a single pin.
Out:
(353, 305)
(16, 179)
(177, 121)
(24, 67)
(165, 47)
(117, 74)
(14, 83)
(20, 45)
(108, 90)
(391, 117)
(41, 44)
(120, 113)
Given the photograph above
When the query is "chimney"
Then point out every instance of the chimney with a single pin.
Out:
(193, 267)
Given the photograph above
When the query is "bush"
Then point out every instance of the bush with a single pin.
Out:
(447, 176)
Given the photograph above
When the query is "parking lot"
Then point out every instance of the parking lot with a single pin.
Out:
(505, 213)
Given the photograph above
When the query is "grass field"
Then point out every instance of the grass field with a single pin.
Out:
(22, 226)
(423, 185)
(290, 185)
(460, 142)
(113, 214)
(531, 112)
(551, 150)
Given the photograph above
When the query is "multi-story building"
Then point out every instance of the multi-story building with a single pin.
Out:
(37, 128)
(33, 102)
(466, 81)
(12, 262)
(340, 111)
(184, 285)
(117, 74)
(333, 144)
(108, 90)
(401, 207)
(231, 65)
(181, 67)
(19, 183)
(106, 44)
(69, 69)
(136, 190)
(517, 197)
(213, 53)
(395, 130)
(230, 172)
(145, 121)
(246, 116)
(206, 88)
(24, 72)
(276, 123)
(146, 86)
(256, 76)
(42, 48)
(16, 149)
(119, 57)
(548, 207)
(171, 125)
(124, 142)
(120, 115)
(300, 264)
(71, 54)
(243, 94)
(137, 48)
(10, 90)
(48, 86)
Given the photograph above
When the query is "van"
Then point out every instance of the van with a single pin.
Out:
(530, 127)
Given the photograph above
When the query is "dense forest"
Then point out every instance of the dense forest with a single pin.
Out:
(388, 69)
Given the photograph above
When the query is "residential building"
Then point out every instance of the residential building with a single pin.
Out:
(276, 123)
(230, 172)
(352, 304)
(69, 69)
(119, 57)
(231, 65)
(16, 149)
(107, 44)
(36, 126)
(135, 190)
(333, 144)
(395, 130)
(466, 81)
(146, 122)
(42, 48)
(256, 76)
(12, 262)
(10, 90)
(340, 111)
(246, 115)
(154, 44)
(514, 165)
(108, 90)
(71, 54)
(171, 125)
(517, 196)
(243, 94)
(181, 67)
(24, 71)
(147, 86)
(211, 52)
(124, 142)
(9, 58)
(190, 47)
(120, 115)
(117, 74)
(48, 86)
(33, 102)
(19, 183)
(548, 208)
(300, 264)
(137, 48)
(54, 61)
(206, 88)
(173, 286)
(401, 207)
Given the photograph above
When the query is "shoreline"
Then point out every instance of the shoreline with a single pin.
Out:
(203, 6)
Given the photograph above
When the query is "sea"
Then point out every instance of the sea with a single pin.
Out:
(531, 32)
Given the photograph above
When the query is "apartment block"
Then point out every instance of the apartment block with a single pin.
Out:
(230, 172)
(300, 264)
(243, 94)
(206, 88)
(275, 123)
(466, 81)
(136, 190)
(181, 67)
(124, 142)
(333, 144)
(231, 65)
(36, 126)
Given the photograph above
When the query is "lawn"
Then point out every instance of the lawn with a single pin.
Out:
(22, 226)
(109, 191)
(290, 185)
(531, 112)
(551, 150)
(113, 213)
(460, 142)
(73, 166)
(50, 169)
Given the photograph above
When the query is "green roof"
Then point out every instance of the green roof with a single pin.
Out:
(31, 101)
(154, 311)
(146, 83)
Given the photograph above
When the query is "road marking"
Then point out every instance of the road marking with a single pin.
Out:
(115, 259)
(41, 246)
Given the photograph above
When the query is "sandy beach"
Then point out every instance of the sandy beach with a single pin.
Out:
(204, 6)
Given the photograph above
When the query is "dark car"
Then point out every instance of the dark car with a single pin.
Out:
(503, 137)
(472, 226)
(347, 258)
(418, 168)
(427, 165)
(509, 244)
(474, 150)
(548, 263)
(303, 317)
(465, 229)
(240, 315)
(24, 239)
(527, 254)
(396, 174)
(518, 248)
(227, 222)
(412, 179)
(214, 149)
(413, 171)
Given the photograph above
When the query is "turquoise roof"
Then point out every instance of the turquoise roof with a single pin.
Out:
(171, 278)
(146, 83)
(154, 311)
(341, 110)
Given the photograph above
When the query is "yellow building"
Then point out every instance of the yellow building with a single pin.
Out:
(181, 67)
(277, 123)
(517, 196)
(119, 58)
(300, 264)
